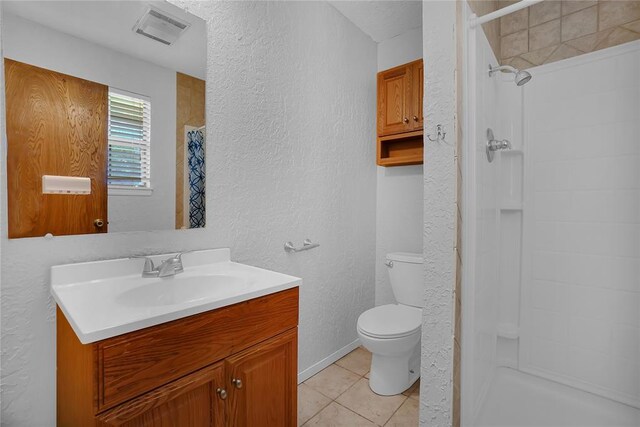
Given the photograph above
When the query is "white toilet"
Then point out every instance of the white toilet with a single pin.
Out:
(392, 332)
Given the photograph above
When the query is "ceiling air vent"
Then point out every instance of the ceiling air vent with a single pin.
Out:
(160, 26)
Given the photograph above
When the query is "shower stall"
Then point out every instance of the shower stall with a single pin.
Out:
(551, 229)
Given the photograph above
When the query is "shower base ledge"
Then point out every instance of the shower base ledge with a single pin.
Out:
(517, 399)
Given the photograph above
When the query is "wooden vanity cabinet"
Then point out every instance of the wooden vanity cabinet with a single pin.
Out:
(400, 115)
(233, 366)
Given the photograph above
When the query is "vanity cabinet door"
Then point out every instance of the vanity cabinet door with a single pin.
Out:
(262, 383)
(197, 400)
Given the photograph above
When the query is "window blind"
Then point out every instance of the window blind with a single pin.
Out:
(129, 141)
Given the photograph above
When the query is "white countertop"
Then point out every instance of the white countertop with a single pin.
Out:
(103, 299)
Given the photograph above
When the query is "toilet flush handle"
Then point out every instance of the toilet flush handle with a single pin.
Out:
(388, 263)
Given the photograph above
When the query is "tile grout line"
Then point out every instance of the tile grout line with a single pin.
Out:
(328, 397)
(353, 385)
(336, 399)
(394, 412)
(331, 400)
(349, 409)
(319, 410)
(360, 415)
(348, 388)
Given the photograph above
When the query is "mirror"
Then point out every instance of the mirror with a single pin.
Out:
(105, 111)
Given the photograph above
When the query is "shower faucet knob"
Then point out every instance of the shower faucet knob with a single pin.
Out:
(494, 145)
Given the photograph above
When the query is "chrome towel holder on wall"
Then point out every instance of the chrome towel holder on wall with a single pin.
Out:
(306, 245)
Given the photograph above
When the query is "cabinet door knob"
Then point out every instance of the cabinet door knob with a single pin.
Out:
(237, 382)
(405, 120)
(98, 223)
(415, 118)
(222, 393)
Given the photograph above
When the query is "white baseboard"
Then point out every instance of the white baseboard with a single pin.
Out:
(317, 367)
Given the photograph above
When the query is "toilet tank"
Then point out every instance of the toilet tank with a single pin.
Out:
(407, 278)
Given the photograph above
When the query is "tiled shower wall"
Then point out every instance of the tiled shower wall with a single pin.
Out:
(554, 30)
(581, 294)
(492, 28)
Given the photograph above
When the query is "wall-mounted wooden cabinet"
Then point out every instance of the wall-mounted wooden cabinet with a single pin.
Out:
(234, 366)
(418, 95)
(400, 116)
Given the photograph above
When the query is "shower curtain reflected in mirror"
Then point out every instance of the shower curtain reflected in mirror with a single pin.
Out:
(195, 177)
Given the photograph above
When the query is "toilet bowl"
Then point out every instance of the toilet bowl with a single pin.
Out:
(392, 332)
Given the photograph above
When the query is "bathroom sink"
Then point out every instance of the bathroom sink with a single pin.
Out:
(103, 299)
(179, 290)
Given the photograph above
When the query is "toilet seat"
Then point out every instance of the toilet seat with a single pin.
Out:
(390, 321)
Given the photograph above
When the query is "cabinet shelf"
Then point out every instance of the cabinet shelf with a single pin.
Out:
(508, 330)
(511, 207)
(401, 149)
(512, 152)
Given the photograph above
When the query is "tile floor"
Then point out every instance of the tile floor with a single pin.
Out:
(340, 395)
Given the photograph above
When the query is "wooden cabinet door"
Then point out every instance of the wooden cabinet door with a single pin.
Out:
(56, 125)
(394, 100)
(417, 116)
(267, 392)
(192, 401)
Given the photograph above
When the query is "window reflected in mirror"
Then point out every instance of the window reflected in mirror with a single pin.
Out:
(105, 117)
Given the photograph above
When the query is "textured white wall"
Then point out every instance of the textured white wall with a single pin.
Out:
(438, 28)
(291, 120)
(399, 189)
(35, 44)
(400, 49)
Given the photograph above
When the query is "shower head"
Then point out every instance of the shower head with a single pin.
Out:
(521, 77)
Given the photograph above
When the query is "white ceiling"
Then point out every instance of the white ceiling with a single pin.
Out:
(382, 20)
(110, 24)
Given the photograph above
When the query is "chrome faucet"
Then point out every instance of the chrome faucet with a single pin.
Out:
(495, 145)
(169, 267)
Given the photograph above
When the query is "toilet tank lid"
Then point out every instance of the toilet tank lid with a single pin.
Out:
(405, 257)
